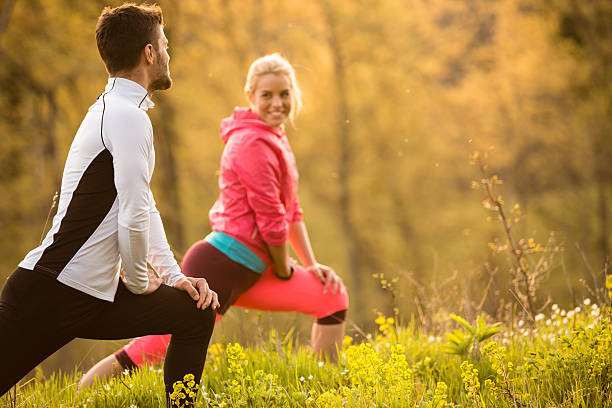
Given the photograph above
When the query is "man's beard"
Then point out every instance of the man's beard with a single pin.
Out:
(162, 80)
(160, 83)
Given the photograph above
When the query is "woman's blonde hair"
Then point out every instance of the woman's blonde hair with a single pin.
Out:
(275, 64)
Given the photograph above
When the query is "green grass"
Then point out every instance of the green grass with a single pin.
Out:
(564, 360)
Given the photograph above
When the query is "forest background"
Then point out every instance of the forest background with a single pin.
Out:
(398, 94)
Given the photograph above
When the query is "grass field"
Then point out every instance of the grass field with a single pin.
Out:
(563, 359)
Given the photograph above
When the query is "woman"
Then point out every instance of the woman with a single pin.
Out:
(257, 215)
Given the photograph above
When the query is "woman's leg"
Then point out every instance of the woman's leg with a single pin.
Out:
(303, 293)
(149, 349)
(105, 368)
(326, 340)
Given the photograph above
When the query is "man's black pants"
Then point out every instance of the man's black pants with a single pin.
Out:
(38, 315)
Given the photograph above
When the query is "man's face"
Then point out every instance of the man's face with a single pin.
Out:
(161, 70)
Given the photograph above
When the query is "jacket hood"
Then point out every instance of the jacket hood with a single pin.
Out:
(244, 118)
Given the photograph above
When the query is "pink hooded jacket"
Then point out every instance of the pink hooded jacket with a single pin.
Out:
(258, 184)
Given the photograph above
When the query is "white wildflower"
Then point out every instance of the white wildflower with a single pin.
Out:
(587, 301)
(539, 317)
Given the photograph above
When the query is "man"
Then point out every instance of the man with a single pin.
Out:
(70, 285)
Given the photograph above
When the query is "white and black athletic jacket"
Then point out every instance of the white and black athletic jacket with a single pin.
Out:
(106, 213)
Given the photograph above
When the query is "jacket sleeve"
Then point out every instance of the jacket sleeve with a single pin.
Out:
(129, 137)
(258, 169)
(160, 255)
(298, 214)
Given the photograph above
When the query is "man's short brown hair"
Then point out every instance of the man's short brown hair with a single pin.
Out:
(122, 32)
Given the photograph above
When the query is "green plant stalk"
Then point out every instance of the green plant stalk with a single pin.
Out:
(517, 253)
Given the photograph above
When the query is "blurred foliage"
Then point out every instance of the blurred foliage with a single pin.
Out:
(397, 94)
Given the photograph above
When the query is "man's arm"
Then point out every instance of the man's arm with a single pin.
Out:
(128, 136)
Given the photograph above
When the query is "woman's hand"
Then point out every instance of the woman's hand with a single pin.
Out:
(327, 276)
(285, 271)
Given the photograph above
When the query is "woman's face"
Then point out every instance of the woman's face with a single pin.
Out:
(271, 100)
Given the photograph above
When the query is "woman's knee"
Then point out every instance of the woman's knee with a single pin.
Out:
(341, 299)
(335, 309)
(334, 318)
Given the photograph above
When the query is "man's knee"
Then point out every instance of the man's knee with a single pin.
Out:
(199, 323)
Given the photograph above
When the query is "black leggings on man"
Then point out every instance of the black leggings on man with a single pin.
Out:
(38, 315)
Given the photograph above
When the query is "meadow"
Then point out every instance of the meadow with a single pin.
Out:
(530, 353)
(563, 358)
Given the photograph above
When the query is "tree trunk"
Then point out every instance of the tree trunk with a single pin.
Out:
(5, 14)
(345, 204)
(256, 24)
(168, 193)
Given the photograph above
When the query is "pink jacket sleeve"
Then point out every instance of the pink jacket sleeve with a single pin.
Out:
(258, 168)
(298, 214)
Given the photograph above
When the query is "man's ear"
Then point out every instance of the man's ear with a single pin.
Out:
(148, 52)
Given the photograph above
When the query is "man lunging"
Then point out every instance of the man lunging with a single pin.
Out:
(70, 285)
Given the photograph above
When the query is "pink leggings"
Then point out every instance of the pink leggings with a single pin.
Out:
(303, 293)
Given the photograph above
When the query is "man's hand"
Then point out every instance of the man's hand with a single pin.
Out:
(199, 291)
(154, 282)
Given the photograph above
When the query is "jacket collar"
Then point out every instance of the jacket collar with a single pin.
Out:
(246, 118)
(131, 91)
